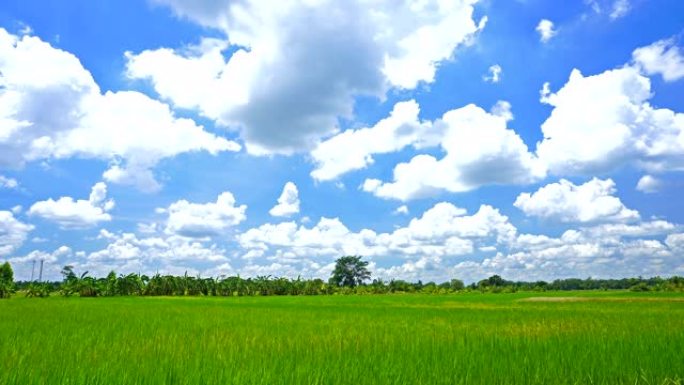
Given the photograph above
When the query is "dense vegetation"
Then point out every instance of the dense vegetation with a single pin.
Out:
(588, 337)
(6, 280)
(350, 276)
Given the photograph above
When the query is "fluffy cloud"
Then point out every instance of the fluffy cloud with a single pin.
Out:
(479, 150)
(564, 201)
(620, 9)
(607, 250)
(50, 107)
(602, 122)
(354, 149)
(443, 230)
(204, 219)
(616, 231)
(53, 261)
(545, 30)
(288, 202)
(676, 242)
(281, 87)
(128, 247)
(577, 260)
(444, 242)
(662, 57)
(426, 268)
(69, 213)
(615, 8)
(403, 210)
(126, 253)
(598, 124)
(649, 184)
(13, 233)
(46, 257)
(444, 221)
(289, 268)
(494, 74)
(8, 183)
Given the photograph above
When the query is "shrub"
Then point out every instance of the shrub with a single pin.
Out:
(6, 280)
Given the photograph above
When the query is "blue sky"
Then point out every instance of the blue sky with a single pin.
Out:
(437, 139)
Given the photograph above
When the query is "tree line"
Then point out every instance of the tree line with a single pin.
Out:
(497, 284)
(350, 276)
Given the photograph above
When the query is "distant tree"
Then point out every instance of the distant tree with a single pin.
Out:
(496, 281)
(349, 271)
(6, 273)
(456, 284)
(641, 286)
(6, 280)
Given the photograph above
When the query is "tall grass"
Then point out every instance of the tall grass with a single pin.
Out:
(623, 338)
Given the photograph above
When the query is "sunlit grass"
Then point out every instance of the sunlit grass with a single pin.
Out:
(610, 338)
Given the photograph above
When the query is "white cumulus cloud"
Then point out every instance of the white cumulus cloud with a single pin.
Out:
(282, 87)
(46, 257)
(603, 122)
(479, 149)
(8, 183)
(200, 220)
(545, 30)
(51, 108)
(69, 213)
(676, 242)
(663, 57)
(443, 230)
(354, 149)
(13, 233)
(288, 202)
(620, 9)
(494, 74)
(649, 184)
(593, 201)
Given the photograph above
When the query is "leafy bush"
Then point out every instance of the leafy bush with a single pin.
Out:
(39, 290)
(6, 280)
(641, 286)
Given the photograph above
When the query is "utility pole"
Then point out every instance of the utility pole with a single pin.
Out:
(33, 269)
(40, 276)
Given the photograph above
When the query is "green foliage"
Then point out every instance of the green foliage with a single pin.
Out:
(456, 284)
(607, 338)
(6, 272)
(641, 286)
(350, 271)
(39, 290)
(343, 283)
(496, 284)
(6, 280)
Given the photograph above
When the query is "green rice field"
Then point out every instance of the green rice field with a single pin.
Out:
(470, 338)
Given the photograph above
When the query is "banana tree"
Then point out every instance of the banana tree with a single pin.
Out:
(39, 290)
(87, 286)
